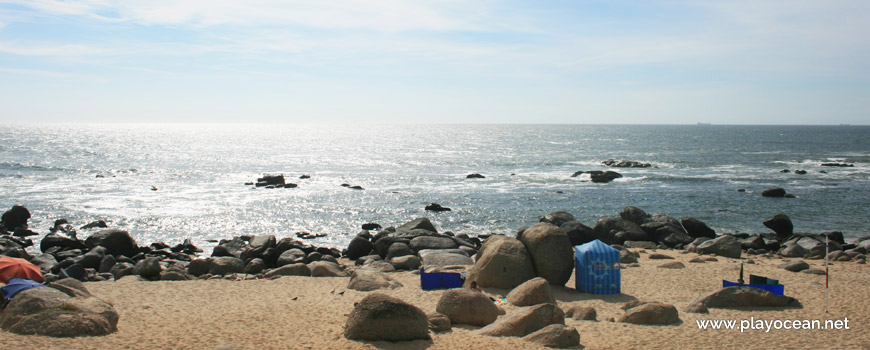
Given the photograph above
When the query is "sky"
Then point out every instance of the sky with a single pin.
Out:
(436, 61)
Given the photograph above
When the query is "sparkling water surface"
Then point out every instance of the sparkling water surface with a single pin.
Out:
(200, 171)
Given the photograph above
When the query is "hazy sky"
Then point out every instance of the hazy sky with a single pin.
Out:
(477, 61)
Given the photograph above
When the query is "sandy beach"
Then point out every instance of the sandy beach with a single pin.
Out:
(309, 313)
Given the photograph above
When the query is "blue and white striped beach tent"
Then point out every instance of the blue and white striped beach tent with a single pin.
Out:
(596, 267)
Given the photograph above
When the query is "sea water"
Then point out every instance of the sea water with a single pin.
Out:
(84, 172)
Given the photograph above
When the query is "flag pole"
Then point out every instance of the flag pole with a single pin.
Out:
(826, 273)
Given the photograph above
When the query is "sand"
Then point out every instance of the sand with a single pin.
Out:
(262, 314)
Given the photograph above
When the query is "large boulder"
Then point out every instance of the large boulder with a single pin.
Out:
(116, 241)
(148, 267)
(532, 292)
(793, 250)
(557, 218)
(407, 262)
(326, 269)
(298, 269)
(417, 224)
(524, 321)
(15, 217)
(65, 311)
(667, 233)
(358, 247)
(290, 256)
(795, 266)
(696, 228)
(773, 192)
(618, 230)
(635, 215)
(225, 265)
(367, 280)
(551, 252)
(726, 246)
(502, 262)
(55, 240)
(578, 233)
(431, 242)
(732, 297)
(814, 244)
(467, 306)
(555, 336)
(382, 317)
(444, 258)
(651, 313)
(781, 224)
(398, 249)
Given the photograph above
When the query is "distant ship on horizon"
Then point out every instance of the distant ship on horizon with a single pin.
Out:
(699, 123)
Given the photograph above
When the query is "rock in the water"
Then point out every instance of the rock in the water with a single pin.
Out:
(382, 317)
(532, 292)
(696, 228)
(795, 266)
(502, 262)
(524, 321)
(555, 336)
(599, 176)
(726, 246)
(475, 176)
(467, 306)
(366, 280)
(551, 252)
(63, 312)
(651, 313)
(557, 218)
(436, 208)
(781, 224)
(55, 240)
(116, 241)
(773, 192)
(15, 217)
(731, 297)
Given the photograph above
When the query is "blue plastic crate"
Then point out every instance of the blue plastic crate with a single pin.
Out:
(440, 280)
(777, 289)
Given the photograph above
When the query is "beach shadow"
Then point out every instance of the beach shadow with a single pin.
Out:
(566, 294)
(401, 345)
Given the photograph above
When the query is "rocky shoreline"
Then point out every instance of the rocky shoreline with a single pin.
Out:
(111, 253)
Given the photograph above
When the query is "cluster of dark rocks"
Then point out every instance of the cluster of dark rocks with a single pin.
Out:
(272, 181)
(797, 172)
(776, 192)
(410, 246)
(625, 164)
(838, 165)
(111, 254)
(599, 176)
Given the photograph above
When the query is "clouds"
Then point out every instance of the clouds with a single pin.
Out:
(529, 56)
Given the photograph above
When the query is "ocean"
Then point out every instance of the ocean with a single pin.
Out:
(87, 172)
